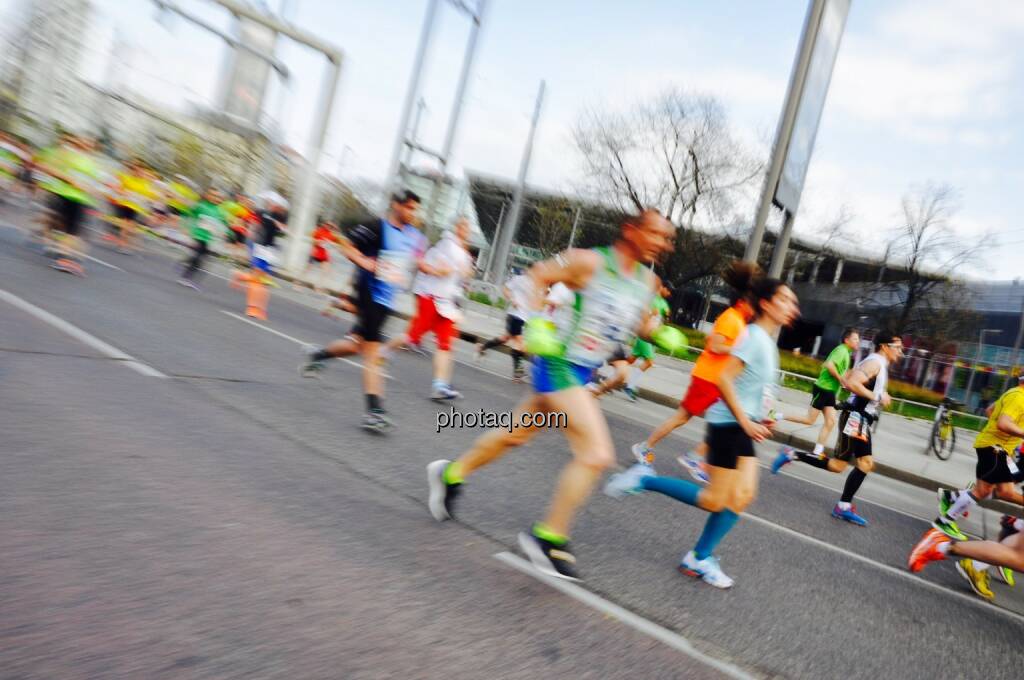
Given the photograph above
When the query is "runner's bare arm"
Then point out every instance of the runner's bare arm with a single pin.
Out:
(718, 344)
(357, 258)
(1006, 424)
(726, 385)
(860, 376)
(571, 267)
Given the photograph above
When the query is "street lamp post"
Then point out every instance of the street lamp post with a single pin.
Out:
(977, 357)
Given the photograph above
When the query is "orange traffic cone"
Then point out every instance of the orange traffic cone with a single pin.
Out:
(256, 299)
(239, 279)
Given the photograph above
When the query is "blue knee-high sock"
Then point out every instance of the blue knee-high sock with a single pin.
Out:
(681, 489)
(717, 526)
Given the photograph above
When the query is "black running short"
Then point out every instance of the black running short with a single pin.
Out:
(371, 317)
(618, 355)
(992, 467)
(69, 214)
(514, 326)
(123, 212)
(853, 447)
(726, 445)
(822, 399)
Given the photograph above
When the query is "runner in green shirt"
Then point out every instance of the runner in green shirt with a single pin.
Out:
(643, 351)
(207, 218)
(825, 392)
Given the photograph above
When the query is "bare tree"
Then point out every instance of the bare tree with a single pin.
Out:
(553, 225)
(674, 153)
(927, 254)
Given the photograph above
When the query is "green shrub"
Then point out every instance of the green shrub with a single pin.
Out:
(483, 299)
(903, 390)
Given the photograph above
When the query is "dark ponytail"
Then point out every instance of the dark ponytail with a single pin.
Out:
(740, 277)
(763, 288)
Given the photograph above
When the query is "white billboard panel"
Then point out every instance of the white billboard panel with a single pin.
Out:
(248, 76)
(812, 102)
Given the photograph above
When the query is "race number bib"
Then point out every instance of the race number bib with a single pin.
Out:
(605, 323)
(267, 254)
(1011, 464)
(395, 267)
(854, 425)
(448, 310)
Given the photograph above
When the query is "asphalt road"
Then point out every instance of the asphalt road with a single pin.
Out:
(232, 520)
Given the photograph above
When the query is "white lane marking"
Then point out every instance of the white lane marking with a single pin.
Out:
(98, 260)
(288, 337)
(902, 573)
(634, 621)
(80, 335)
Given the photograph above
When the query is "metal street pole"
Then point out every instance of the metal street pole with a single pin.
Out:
(1016, 349)
(390, 182)
(494, 241)
(575, 223)
(504, 239)
(414, 134)
(453, 120)
(275, 63)
(781, 246)
(300, 221)
(785, 129)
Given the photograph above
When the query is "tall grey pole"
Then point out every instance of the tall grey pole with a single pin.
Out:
(781, 246)
(453, 120)
(785, 129)
(508, 230)
(415, 131)
(1016, 348)
(494, 241)
(390, 182)
(300, 222)
(575, 223)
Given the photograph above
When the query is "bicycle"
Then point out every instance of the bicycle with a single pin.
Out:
(943, 436)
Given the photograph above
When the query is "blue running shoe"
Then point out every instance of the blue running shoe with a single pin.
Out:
(850, 515)
(786, 456)
(694, 464)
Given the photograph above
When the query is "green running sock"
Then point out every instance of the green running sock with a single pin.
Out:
(542, 531)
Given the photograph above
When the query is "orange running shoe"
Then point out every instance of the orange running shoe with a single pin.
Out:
(928, 549)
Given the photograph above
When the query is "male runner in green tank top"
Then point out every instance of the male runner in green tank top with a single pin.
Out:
(613, 296)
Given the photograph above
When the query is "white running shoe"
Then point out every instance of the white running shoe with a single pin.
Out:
(628, 482)
(706, 569)
(643, 453)
(441, 392)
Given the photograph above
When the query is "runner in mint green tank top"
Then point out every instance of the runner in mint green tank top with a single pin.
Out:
(613, 295)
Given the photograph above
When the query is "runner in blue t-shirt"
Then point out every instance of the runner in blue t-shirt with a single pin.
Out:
(387, 253)
(743, 415)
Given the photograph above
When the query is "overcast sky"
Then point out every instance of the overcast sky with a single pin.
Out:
(923, 89)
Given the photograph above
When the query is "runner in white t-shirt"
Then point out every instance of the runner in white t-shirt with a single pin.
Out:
(438, 283)
(517, 292)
